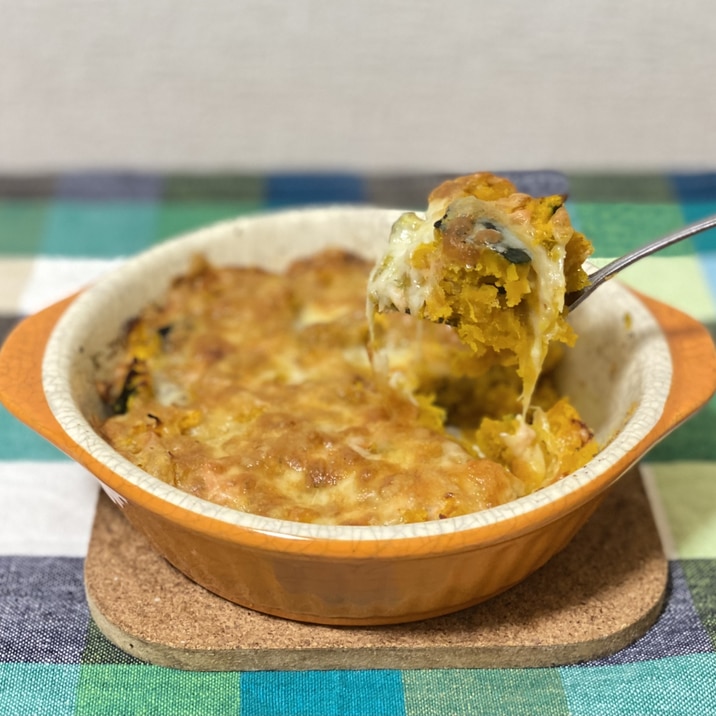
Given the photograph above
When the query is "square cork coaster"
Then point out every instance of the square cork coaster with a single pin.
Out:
(595, 597)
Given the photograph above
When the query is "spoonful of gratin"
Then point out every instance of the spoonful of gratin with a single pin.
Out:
(494, 263)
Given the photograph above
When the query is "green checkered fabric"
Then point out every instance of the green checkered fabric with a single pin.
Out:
(58, 232)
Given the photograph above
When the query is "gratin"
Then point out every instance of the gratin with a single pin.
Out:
(256, 390)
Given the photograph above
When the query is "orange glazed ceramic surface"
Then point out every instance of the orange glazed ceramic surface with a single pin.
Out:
(639, 369)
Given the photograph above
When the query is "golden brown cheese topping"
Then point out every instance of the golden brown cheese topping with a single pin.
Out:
(254, 390)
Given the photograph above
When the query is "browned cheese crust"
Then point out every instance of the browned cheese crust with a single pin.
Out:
(254, 390)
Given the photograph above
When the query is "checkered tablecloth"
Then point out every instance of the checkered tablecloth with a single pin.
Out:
(58, 233)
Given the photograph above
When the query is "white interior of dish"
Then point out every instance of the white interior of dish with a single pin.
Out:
(618, 375)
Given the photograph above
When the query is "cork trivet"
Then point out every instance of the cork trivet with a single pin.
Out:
(597, 596)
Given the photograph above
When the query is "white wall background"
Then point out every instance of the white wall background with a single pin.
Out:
(373, 85)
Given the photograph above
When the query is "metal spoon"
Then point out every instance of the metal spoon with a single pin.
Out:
(596, 279)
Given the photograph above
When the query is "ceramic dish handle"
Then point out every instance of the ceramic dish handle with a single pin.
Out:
(21, 388)
(692, 350)
(694, 361)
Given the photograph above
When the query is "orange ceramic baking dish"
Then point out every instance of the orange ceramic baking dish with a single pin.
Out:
(638, 370)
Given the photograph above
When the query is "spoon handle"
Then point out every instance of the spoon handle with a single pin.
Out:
(597, 278)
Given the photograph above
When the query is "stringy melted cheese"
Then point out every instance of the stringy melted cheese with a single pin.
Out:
(494, 263)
